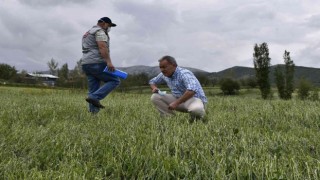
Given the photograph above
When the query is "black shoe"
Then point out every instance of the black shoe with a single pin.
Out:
(96, 103)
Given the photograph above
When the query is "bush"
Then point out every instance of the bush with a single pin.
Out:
(229, 86)
(304, 88)
(248, 82)
(315, 94)
(252, 82)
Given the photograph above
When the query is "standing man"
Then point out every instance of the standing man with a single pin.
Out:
(187, 93)
(96, 56)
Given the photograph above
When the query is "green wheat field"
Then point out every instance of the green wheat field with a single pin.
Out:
(48, 134)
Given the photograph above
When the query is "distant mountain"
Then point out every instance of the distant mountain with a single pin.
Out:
(134, 70)
(155, 70)
(236, 72)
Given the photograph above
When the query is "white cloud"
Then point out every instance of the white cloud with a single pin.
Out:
(207, 34)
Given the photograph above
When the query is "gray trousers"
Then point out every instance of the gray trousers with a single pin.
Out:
(194, 106)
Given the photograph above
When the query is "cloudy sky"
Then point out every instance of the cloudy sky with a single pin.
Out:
(211, 35)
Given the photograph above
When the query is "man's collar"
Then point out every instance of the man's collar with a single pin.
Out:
(175, 72)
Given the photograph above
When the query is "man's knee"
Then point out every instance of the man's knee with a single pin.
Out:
(155, 97)
(114, 83)
(197, 110)
(117, 82)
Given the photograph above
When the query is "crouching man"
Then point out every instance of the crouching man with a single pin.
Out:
(187, 93)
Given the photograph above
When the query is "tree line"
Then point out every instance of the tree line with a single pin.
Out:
(283, 75)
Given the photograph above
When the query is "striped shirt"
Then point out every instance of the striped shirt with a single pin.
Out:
(181, 80)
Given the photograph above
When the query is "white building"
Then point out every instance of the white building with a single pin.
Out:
(46, 79)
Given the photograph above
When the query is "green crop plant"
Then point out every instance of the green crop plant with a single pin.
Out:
(48, 134)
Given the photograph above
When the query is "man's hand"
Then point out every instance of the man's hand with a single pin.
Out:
(110, 67)
(154, 88)
(173, 105)
(187, 95)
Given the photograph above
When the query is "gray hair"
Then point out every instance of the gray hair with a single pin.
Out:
(170, 59)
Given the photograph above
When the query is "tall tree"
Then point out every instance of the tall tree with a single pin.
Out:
(64, 72)
(53, 65)
(7, 72)
(289, 74)
(261, 63)
(77, 70)
(285, 77)
(77, 77)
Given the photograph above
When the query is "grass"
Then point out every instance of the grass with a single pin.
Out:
(48, 134)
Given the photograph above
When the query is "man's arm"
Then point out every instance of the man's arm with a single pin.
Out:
(104, 51)
(154, 88)
(154, 81)
(186, 95)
